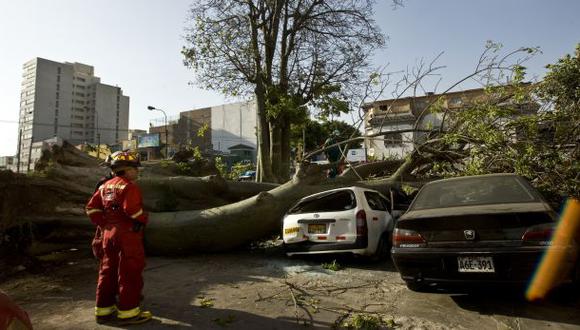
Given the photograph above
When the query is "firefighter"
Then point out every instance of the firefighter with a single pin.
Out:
(116, 208)
(333, 154)
(12, 317)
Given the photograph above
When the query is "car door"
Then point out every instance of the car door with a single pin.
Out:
(390, 219)
(378, 216)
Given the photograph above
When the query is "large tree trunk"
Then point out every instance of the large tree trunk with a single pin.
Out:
(191, 193)
(226, 227)
(285, 162)
(214, 229)
(264, 168)
(276, 149)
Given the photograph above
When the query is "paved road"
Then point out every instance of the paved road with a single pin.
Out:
(263, 289)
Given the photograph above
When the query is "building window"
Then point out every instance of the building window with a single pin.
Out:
(455, 102)
(393, 140)
(420, 105)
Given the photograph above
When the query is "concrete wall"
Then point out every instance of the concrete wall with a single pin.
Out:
(190, 122)
(376, 146)
(233, 124)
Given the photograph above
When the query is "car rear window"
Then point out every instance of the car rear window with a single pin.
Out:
(474, 191)
(332, 202)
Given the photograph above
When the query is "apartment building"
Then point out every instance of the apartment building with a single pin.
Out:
(66, 100)
(6, 162)
(396, 119)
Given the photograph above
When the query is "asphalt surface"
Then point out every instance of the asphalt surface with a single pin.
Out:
(263, 289)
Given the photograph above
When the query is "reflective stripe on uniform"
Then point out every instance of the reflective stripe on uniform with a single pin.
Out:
(91, 211)
(115, 186)
(128, 314)
(104, 311)
(138, 213)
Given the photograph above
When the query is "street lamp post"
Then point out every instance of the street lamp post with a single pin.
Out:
(151, 108)
(98, 135)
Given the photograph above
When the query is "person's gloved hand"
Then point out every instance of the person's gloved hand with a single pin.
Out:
(137, 226)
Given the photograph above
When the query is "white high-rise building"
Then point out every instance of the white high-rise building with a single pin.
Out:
(66, 100)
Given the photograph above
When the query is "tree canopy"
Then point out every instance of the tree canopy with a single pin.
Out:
(315, 133)
(523, 128)
(293, 56)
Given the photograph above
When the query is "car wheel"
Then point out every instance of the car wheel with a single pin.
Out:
(417, 286)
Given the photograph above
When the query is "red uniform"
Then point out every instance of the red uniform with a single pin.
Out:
(115, 207)
(11, 315)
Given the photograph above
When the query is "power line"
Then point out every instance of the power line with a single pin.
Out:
(65, 126)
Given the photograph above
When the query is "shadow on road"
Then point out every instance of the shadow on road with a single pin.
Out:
(199, 318)
(347, 260)
(562, 306)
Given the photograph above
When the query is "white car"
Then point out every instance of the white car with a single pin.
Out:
(346, 220)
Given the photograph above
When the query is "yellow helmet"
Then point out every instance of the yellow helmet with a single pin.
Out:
(125, 158)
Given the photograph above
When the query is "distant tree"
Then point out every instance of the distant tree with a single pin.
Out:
(560, 92)
(291, 55)
(317, 132)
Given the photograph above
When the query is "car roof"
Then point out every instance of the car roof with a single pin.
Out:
(458, 209)
(476, 209)
(352, 188)
(460, 178)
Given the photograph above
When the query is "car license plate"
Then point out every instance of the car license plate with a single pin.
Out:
(317, 229)
(475, 265)
(291, 232)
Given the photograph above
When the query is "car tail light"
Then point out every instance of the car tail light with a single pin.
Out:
(407, 238)
(539, 235)
(361, 223)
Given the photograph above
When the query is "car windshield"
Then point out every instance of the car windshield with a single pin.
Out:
(473, 191)
(336, 201)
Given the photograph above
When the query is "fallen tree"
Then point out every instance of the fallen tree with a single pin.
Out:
(224, 227)
(467, 142)
(44, 210)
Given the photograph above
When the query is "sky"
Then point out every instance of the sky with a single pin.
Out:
(136, 45)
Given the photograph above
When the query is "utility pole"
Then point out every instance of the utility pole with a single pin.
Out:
(29, 155)
(18, 152)
(98, 135)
